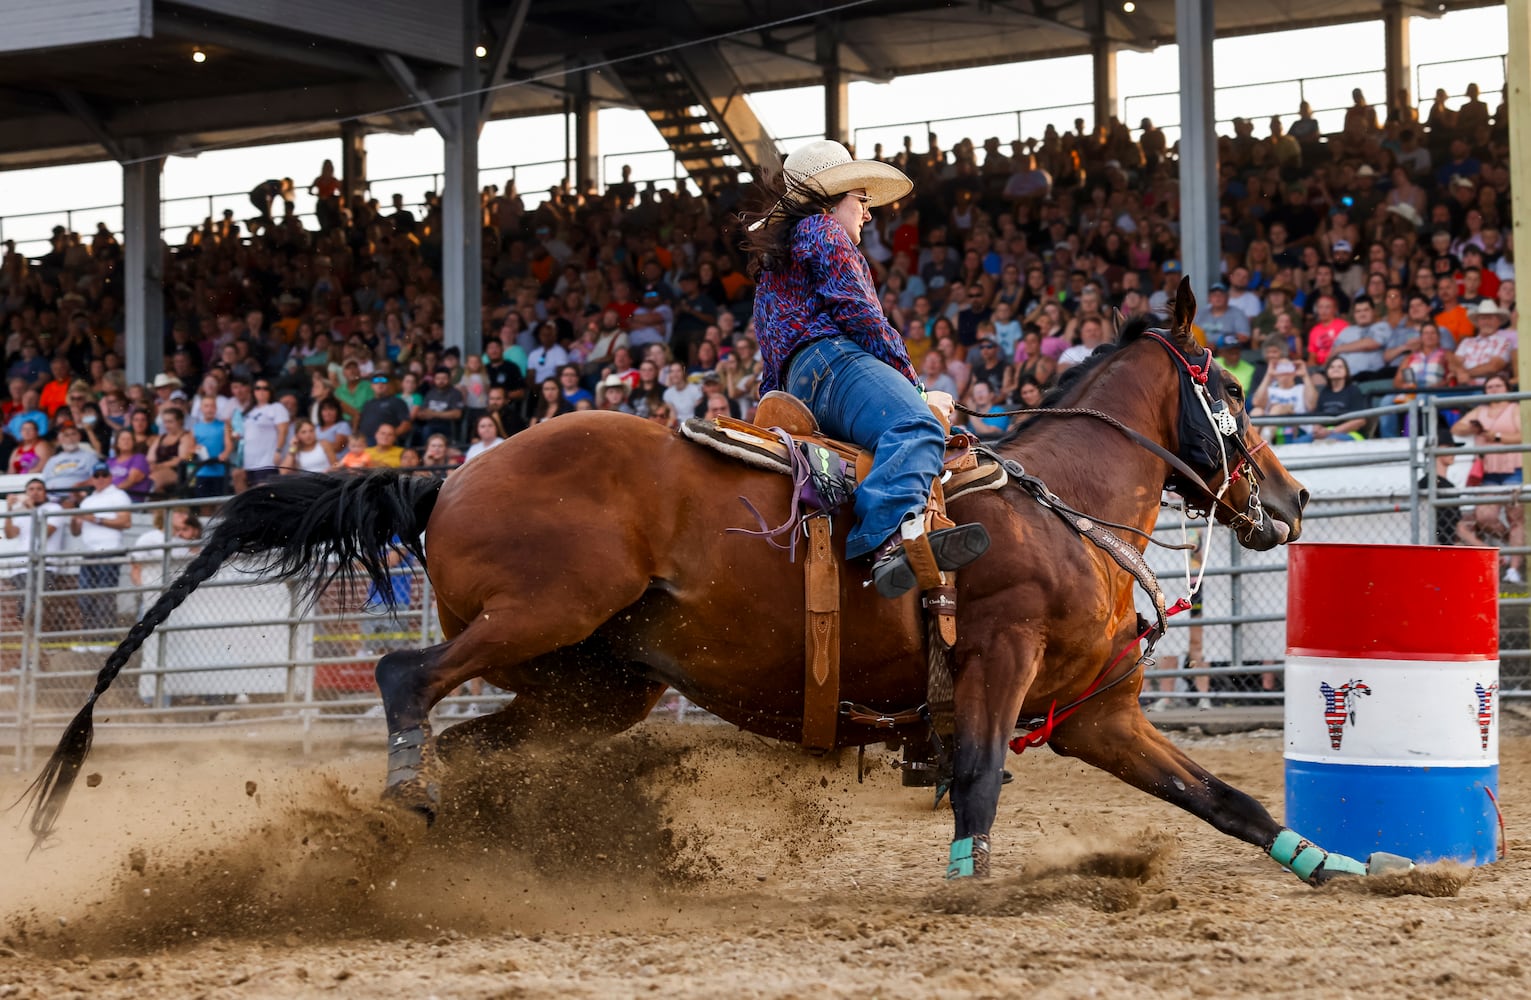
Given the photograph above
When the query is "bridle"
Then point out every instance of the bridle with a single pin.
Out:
(1201, 498)
(1231, 431)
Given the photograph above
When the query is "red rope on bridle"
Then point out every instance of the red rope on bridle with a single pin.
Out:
(1246, 456)
(1044, 732)
(1199, 372)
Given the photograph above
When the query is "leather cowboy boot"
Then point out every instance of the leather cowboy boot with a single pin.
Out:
(903, 559)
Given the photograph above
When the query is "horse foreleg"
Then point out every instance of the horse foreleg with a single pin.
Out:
(1116, 737)
(991, 684)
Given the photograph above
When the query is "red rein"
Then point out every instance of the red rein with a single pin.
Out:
(1044, 732)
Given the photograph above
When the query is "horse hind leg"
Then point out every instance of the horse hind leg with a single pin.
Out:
(1113, 734)
(575, 705)
(413, 681)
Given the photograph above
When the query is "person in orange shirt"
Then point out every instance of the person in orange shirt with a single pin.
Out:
(734, 282)
(56, 393)
(1452, 315)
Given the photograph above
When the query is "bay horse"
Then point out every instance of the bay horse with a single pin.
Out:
(586, 565)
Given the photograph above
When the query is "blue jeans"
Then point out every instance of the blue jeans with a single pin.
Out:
(855, 397)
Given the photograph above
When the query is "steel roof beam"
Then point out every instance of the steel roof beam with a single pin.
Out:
(80, 109)
(499, 61)
(405, 77)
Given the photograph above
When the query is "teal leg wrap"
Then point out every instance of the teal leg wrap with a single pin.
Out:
(969, 858)
(1339, 864)
(959, 863)
(1302, 858)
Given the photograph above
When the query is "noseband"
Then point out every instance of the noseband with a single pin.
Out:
(1230, 431)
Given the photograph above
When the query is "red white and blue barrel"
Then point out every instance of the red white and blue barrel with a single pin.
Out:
(1392, 690)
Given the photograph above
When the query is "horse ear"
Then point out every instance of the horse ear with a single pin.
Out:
(1185, 307)
(1118, 322)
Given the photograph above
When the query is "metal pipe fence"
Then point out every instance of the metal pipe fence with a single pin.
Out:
(243, 651)
(1236, 639)
(659, 165)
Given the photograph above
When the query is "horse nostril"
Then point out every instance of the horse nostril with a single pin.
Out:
(1302, 499)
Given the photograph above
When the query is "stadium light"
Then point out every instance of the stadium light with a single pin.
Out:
(481, 52)
(198, 56)
(1128, 7)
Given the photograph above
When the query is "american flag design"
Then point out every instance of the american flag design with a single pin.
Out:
(1338, 706)
(1485, 709)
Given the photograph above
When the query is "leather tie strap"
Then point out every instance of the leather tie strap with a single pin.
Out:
(821, 680)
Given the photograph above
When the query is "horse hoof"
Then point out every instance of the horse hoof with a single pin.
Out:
(414, 797)
(1382, 863)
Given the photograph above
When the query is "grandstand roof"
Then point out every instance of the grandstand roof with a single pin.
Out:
(85, 79)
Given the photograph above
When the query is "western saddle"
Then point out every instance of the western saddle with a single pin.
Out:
(781, 414)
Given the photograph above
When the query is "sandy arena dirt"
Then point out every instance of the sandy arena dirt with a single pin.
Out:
(693, 861)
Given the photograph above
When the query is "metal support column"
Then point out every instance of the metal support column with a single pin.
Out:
(837, 91)
(1199, 247)
(1395, 40)
(143, 353)
(1517, 85)
(1103, 67)
(462, 223)
(587, 135)
(353, 162)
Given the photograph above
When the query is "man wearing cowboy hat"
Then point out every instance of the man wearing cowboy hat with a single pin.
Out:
(824, 339)
(165, 384)
(1491, 352)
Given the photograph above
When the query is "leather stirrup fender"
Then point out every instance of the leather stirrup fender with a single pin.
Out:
(821, 675)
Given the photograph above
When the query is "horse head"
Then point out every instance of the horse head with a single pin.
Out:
(1258, 498)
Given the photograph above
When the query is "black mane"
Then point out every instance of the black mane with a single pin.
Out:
(1134, 330)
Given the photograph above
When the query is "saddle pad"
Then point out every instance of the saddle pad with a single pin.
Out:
(763, 450)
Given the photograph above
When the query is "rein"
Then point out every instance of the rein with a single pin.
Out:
(1199, 374)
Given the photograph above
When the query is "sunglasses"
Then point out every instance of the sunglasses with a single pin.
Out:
(265, 387)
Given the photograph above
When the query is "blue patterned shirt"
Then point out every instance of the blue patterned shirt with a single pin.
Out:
(826, 290)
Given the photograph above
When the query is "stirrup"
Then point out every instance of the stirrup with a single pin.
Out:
(954, 548)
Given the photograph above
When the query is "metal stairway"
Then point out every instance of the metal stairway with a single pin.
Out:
(694, 99)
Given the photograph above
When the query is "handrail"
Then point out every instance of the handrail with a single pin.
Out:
(675, 174)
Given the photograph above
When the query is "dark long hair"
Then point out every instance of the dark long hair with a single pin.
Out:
(781, 203)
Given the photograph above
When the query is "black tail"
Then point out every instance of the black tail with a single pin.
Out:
(319, 526)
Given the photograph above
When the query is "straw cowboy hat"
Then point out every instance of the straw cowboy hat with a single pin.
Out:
(828, 167)
(1407, 213)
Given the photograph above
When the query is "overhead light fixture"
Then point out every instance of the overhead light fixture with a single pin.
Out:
(481, 52)
(1128, 7)
(198, 56)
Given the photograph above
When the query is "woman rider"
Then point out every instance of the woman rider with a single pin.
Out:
(824, 339)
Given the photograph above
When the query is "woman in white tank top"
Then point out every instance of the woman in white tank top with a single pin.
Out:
(308, 453)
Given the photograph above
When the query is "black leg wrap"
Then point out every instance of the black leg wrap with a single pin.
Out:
(406, 761)
(406, 754)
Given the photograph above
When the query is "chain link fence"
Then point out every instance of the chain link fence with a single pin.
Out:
(237, 651)
(241, 652)
(1414, 489)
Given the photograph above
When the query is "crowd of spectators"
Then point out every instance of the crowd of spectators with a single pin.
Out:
(1357, 266)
